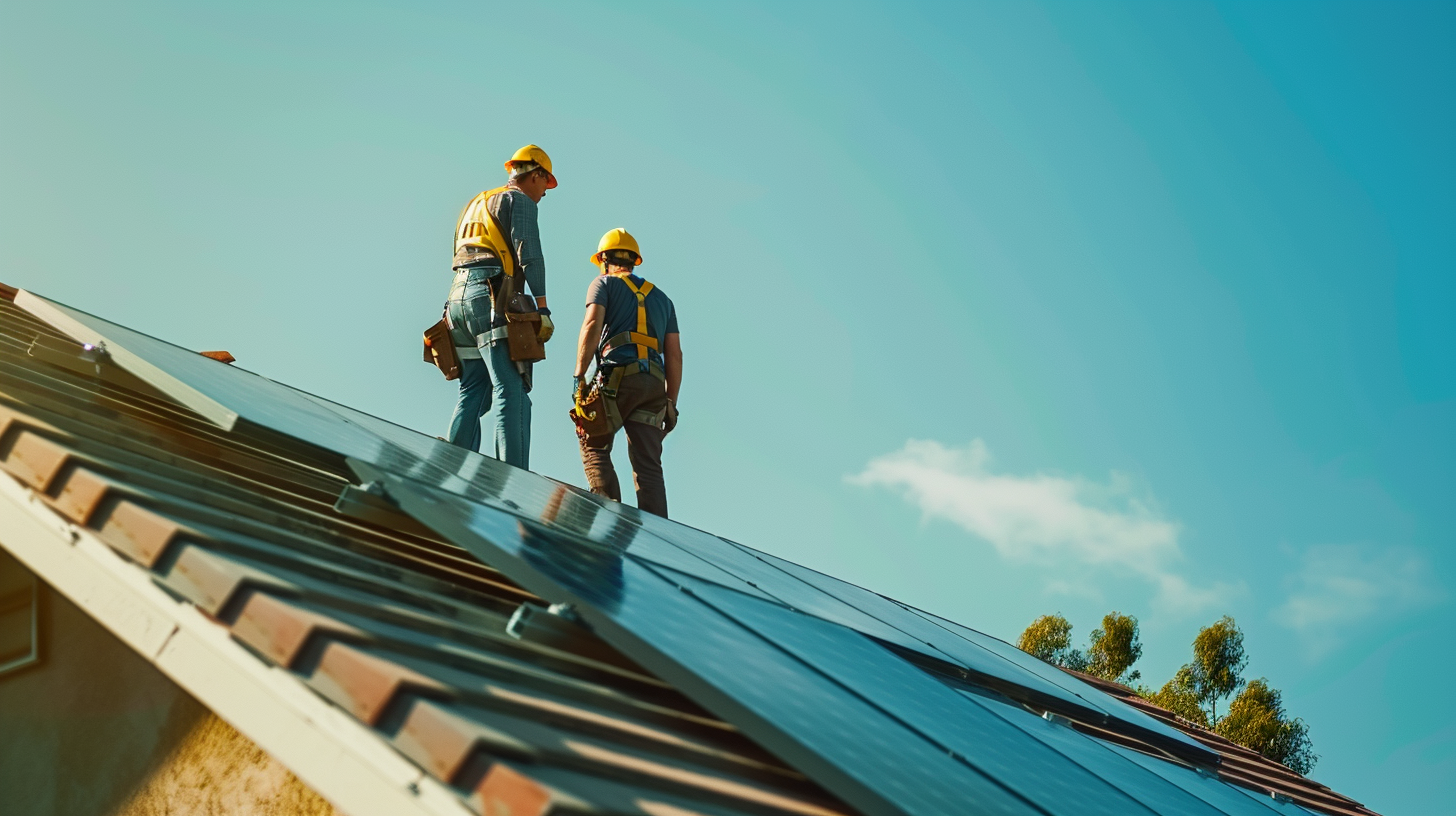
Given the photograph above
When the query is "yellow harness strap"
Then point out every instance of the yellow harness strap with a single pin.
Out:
(478, 228)
(643, 340)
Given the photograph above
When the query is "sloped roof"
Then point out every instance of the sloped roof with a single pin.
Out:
(1238, 764)
(370, 606)
(402, 632)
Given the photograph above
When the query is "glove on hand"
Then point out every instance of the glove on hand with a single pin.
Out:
(670, 421)
(547, 328)
(579, 386)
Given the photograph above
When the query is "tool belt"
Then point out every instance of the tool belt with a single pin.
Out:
(598, 418)
(474, 256)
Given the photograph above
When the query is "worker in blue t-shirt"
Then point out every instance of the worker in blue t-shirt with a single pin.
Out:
(631, 330)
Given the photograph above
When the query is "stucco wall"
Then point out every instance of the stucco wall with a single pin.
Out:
(95, 730)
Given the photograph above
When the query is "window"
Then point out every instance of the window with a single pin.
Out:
(19, 601)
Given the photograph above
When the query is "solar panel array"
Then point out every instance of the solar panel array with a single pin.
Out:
(812, 668)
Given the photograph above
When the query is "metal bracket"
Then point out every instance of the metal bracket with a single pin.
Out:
(368, 502)
(560, 627)
(1057, 719)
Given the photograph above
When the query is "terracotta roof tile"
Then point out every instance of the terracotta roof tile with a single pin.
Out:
(212, 581)
(366, 685)
(442, 742)
(505, 790)
(33, 459)
(279, 630)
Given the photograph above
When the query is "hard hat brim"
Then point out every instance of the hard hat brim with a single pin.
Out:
(597, 258)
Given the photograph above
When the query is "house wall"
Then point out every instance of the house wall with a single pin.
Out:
(93, 729)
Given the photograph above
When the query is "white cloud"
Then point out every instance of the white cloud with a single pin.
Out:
(1068, 588)
(1043, 519)
(1341, 585)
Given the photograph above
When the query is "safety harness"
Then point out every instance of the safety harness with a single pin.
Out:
(479, 230)
(641, 337)
(606, 387)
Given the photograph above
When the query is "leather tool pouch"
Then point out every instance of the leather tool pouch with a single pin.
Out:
(440, 350)
(523, 333)
(593, 421)
(523, 322)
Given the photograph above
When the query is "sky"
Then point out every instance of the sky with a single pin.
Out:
(1000, 309)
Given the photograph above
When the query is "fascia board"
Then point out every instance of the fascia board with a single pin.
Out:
(55, 315)
(335, 755)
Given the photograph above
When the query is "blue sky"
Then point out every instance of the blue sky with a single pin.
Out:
(999, 309)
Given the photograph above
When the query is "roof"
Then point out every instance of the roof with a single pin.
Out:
(413, 628)
(1237, 764)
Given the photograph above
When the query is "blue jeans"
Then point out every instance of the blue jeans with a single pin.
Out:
(494, 375)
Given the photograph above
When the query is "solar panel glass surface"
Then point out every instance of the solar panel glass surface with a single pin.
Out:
(1230, 799)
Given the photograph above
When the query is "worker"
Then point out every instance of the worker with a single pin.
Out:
(497, 248)
(631, 330)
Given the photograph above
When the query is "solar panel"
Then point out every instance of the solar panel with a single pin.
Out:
(1164, 736)
(227, 393)
(997, 658)
(1151, 790)
(958, 724)
(1228, 798)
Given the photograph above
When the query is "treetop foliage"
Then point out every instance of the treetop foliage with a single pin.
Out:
(1255, 719)
(1218, 659)
(1114, 648)
(1049, 637)
(1180, 696)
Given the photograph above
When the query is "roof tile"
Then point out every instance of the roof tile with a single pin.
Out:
(138, 533)
(34, 460)
(279, 631)
(81, 494)
(508, 792)
(441, 742)
(366, 685)
(211, 581)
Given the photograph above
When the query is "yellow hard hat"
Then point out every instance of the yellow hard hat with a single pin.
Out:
(532, 153)
(617, 239)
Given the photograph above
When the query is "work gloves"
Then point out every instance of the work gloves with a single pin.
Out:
(670, 421)
(579, 385)
(547, 328)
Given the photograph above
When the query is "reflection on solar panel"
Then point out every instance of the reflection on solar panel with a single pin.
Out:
(893, 710)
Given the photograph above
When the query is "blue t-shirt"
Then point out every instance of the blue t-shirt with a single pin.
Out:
(613, 294)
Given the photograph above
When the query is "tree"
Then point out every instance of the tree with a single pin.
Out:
(1114, 648)
(1049, 637)
(1180, 696)
(1218, 657)
(1256, 720)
